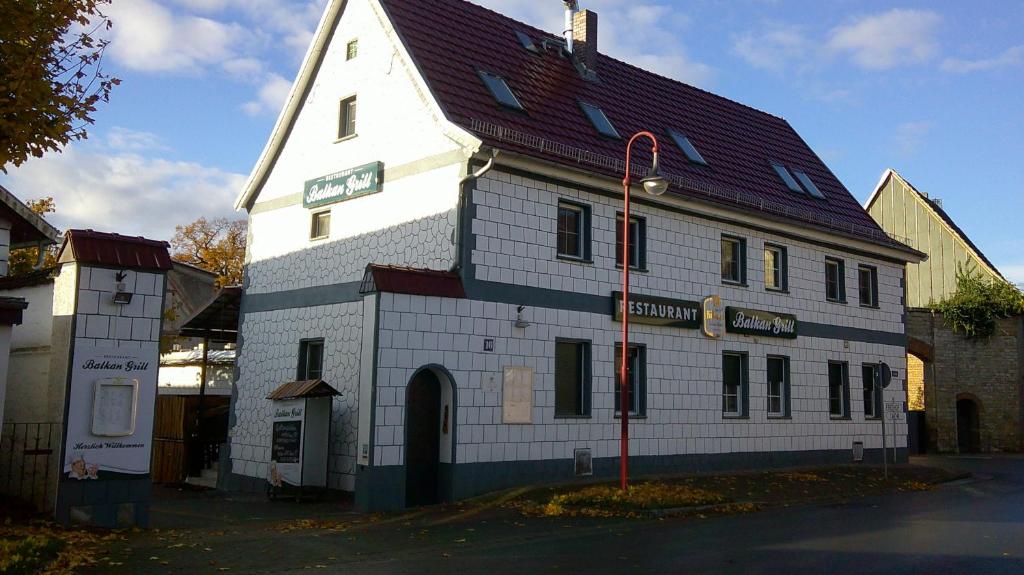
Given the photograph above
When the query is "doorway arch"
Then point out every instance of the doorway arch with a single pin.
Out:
(968, 424)
(429, 436)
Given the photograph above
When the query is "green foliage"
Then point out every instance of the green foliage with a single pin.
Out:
(51, 77)
(978, 302)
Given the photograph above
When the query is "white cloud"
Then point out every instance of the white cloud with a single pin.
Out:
(910, 136)
(124, 139)
(1013, 272)
(149, 37)
(271, 97)
(125, 192)
(882, 41)
(774, 48)
(1010, 57)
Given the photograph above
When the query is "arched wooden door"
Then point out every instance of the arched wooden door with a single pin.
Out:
(422, 440)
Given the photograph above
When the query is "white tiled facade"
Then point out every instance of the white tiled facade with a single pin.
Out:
(510, 244)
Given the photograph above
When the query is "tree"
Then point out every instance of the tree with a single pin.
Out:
(978, 302)
(51, 75)
(216, 245)
(23, 260)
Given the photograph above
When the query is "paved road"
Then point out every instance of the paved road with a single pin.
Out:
(974, 526)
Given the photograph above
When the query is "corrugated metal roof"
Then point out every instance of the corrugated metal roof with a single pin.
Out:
(115, 250)
(303, 389)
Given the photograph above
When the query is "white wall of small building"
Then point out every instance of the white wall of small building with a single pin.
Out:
(28, 374)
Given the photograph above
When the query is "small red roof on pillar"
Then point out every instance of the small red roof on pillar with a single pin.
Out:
(114, 250)
(412, 281)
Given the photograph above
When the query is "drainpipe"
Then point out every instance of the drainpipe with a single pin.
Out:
(463, 193)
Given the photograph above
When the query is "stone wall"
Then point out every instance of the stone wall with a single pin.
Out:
(989, 371)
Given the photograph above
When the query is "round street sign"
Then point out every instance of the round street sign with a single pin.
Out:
(886, 375)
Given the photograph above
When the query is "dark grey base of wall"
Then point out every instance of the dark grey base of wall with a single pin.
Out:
(113, 503)
(241, 483)
(383, 488)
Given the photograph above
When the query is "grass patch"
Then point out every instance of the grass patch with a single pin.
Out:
(611, 501)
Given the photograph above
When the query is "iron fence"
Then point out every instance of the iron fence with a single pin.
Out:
(28, 455)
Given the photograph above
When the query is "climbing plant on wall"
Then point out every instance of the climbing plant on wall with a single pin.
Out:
(978, 302)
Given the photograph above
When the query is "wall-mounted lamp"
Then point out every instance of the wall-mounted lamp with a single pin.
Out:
(121, 294)
(520, 322)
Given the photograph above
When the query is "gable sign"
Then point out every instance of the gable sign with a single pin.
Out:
(763, 323)
(344, 185)
(659, 311)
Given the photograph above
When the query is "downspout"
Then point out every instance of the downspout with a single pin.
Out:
(463, 193)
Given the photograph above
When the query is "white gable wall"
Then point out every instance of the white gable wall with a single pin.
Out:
(410, 222)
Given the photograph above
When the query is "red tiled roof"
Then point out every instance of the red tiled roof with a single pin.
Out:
(450, 40)
(395, 279)
(115, 250)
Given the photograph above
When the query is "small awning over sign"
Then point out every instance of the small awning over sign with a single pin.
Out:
(303, 389)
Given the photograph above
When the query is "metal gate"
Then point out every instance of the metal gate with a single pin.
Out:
(28, 453)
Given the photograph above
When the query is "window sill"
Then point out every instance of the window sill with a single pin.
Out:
(572, 416)
(346, 138)
(869, 306)
(633, 269)
(320, 238)
(734, 283)
(776, 290)
(734, 416)
(839, 417)
(838, 301)
(574, 259)
(632, 416)
(783, 417)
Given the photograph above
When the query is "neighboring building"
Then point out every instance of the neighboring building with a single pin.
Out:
(447, 260)
(963, 395)
(20, 227)
(921, 222)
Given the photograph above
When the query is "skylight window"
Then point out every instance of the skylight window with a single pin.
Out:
(599, 120)
(808, 184)
(527, 42)
(688, 148)
(788, 178)
(500, 90)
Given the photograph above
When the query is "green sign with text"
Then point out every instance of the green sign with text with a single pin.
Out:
(763, 323)
(344, 185)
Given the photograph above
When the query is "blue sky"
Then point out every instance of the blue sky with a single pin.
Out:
(932, 89)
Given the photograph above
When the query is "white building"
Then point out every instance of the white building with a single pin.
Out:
(480, 182)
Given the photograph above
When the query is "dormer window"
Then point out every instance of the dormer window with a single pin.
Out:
(500, 90)
(787, 178)
(688, 148)
(599, 120)
(808, 184)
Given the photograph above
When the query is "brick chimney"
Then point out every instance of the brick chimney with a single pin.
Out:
(584, 31)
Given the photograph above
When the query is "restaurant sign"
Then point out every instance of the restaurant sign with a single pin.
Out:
(344, 185)
(764, 323)
(659, 311)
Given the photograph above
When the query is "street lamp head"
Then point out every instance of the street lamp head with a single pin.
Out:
(655, 184)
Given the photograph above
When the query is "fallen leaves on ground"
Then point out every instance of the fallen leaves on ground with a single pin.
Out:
(44, 548)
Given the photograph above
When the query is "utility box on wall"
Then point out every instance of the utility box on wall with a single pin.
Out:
(300, 436)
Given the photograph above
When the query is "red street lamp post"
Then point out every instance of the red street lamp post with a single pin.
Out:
(655, 185)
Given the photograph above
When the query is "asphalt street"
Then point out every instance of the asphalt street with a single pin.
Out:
(972, 526)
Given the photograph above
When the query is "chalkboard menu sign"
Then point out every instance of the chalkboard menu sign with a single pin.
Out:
(287, 441)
